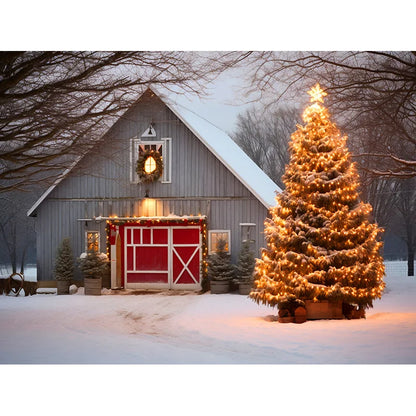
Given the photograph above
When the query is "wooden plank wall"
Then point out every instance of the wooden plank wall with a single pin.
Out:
(100, 186)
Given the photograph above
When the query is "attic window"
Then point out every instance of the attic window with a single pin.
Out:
(150, 131)
(139, 146)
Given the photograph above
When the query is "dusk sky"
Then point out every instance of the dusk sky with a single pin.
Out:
(224, 103)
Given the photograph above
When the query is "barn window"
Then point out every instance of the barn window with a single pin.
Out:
(150, 165)
(139, 146)
(214, 236)
(92, 241)
(248, 232)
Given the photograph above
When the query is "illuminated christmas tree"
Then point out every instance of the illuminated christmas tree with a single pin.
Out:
(321, 244)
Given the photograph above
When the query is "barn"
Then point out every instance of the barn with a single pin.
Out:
(156, 194)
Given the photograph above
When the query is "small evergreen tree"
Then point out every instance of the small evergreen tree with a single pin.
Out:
(219, 263)
(64, 263)
(94, 265)
(246, 263)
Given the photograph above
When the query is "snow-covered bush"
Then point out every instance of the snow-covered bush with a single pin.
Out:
(246, 263)
(94, 265)
(219, 264)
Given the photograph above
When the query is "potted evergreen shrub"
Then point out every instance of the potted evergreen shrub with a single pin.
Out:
(220, 269)
(245, 269)
(93, 266)
(64, 267)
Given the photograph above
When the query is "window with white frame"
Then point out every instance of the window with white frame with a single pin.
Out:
(163, 146)
(92, 241)
(248, 232)
(214, 236)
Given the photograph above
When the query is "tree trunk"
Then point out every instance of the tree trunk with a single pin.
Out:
(22, 264)
(410, 246)
(410, 261)
(12, 249)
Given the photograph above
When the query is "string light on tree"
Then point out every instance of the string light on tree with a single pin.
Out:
(321, 244)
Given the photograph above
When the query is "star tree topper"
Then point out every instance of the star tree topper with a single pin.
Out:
(317, 94)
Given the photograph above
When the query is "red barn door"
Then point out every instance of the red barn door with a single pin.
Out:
(162, 257)
(186, 253)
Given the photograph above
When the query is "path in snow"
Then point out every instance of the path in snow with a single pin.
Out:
(198, 329)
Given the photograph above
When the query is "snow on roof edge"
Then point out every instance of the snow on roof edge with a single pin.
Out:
(255, 179)
(269, 188)
(52, 187)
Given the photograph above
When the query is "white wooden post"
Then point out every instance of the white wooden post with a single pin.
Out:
(113, 254)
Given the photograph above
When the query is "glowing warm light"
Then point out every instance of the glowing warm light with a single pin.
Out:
(150, 165)
(321, 244)
(149, 206)
(317, 94)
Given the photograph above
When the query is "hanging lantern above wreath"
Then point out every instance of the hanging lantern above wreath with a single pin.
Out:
(150, 166)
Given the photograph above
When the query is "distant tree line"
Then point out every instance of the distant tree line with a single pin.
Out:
(264, 136)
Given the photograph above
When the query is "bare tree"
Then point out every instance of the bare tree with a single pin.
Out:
(54, 103)
(405, 204)
(378, 190)
(60, 103)
(366, 89)
(264, 136)
(373, 98)
(17, 234)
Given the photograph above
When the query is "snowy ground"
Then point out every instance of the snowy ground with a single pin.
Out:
(205, 329)
(201, 329)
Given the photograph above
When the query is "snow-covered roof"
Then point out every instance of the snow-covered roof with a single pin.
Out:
(220, 144)
(228, 152)
(52, 187)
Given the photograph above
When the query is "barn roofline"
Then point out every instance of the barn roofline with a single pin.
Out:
(31, 211)
(252, 177)
(227, 151)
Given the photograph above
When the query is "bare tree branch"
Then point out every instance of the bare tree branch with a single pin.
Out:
(55, 104)
(376, 85)
(264, 136)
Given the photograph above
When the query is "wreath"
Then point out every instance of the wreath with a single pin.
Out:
(155, 174)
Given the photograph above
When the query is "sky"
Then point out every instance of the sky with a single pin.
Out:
(213, 26)
(223, 103)
(217, 26)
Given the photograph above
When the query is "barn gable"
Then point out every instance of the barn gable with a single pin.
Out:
(217, 142)
(207, 175)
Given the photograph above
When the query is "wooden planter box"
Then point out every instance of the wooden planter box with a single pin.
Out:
(92, 287)
(220, 286)
(323, 309)
(62, 287)
(244, 288)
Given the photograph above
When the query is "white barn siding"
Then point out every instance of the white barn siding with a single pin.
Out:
(100, 186)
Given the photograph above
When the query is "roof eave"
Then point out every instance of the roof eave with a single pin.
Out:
(267, 204)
